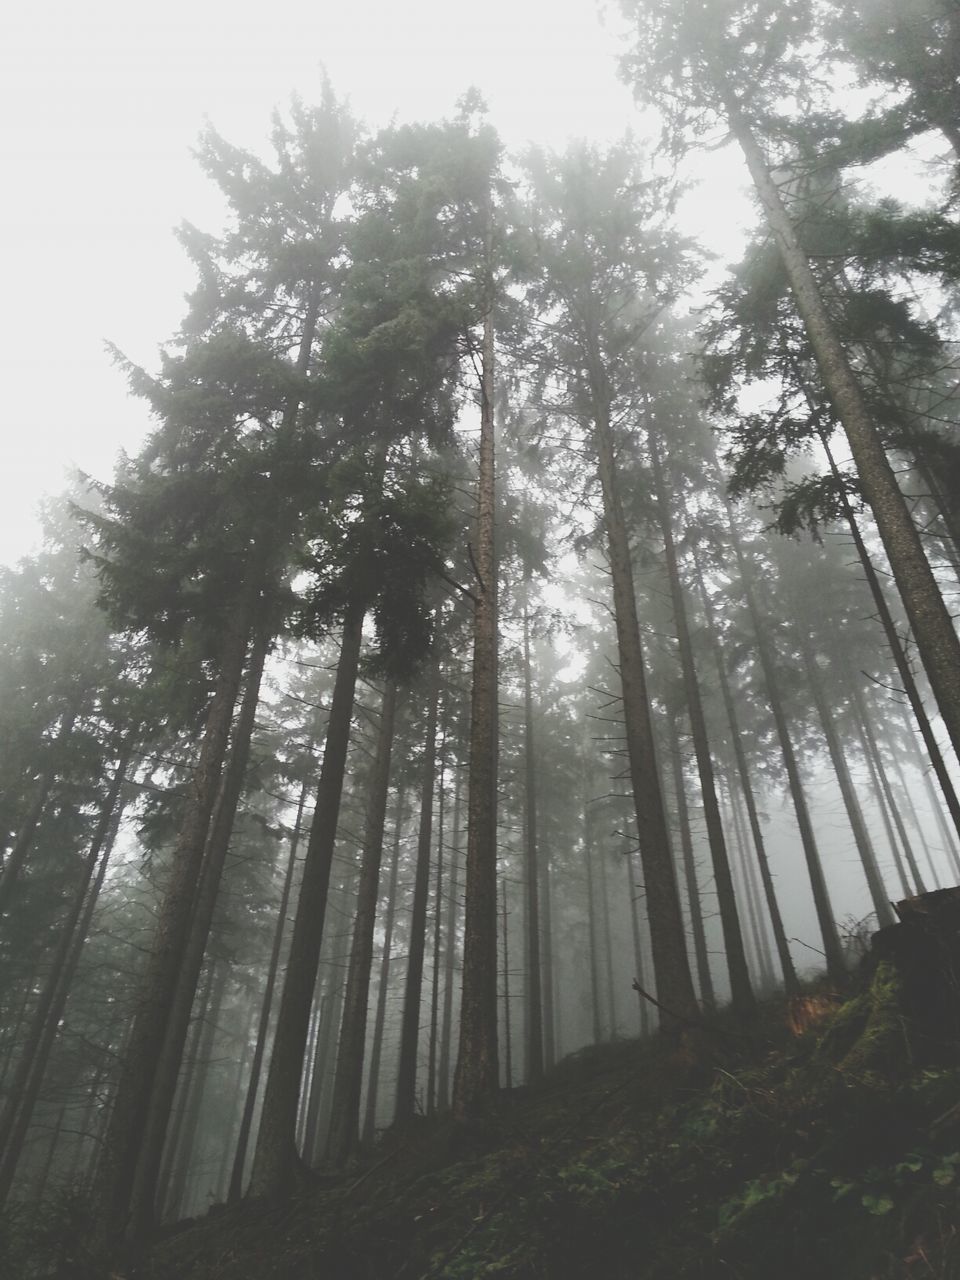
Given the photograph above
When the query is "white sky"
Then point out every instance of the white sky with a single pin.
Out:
(100, 103)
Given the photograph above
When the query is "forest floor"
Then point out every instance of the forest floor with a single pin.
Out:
(822, 1143)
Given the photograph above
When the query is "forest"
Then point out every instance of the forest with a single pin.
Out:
(522, 646)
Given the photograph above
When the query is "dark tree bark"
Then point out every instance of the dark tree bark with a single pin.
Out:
(413, 987)
(694, 905)
(476, 1078)
(275, 1159)
(534, 999)
(376, 1049)
(345, 1117)
(638, 964)
(432, 1042)
(159, 982)
(450, 956)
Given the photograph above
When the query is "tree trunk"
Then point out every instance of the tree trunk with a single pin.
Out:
(833, 951)
(533, 1022)
(607, 946)
(670, 964)
(546, 970)
(933, 629)
(507, 1038)
(477, 1074)
(637, 944)
(899, 656)
(750, 894)
(275, 1159)
(790, 982)
(253, 1085)
(450, 956)
(348, 1083)
(741, 991)
(695, 907)
(437, 932)
(861, 836)
(144, 1194)
(370, 1111)
(45, 1020)
(159, 982)
(413, 987)
(598, 1035)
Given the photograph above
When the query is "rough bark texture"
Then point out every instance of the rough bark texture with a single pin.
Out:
(275, 1160)
(476, 1077)
(933, 629)
(345, 1117)
(413, 986)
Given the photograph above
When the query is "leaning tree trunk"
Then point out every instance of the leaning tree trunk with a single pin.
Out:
(933, 629)
(275, 1159)
(741, 991)
(159, 982)
(413, 987)
(45, 1021)
(790, 982)
(144, 1195)
(477, 1074)
(345, 1115)
(671, 967)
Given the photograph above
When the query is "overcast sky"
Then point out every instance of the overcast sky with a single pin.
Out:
(100, 104)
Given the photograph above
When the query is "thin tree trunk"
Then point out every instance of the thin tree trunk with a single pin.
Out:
(477, 1074)
(882, 808)
(533, 1022)
(897, 650)
(917, 824)
(253, 1085)
(861, 836)
(741, 991)
(45, 1020)
(376, 1050)
(606, 943)
(507, 1038)
(275, 1159)
(750, 894)
(546, 965)
(348, 1083)
(670, 964)
(949, 846)
(704, 978)
(413, 986)
(933, 629)
(790, 982)
(437, 932)
(637, 944)
(592, 945)
(450, 955)
(833, 951)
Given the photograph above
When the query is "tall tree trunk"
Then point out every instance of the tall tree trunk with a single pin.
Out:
(833, 951)
(144, 1194)
(790, 982)
(607, 946)
(437, 934)
(644, 1010)
(275, 1159)
(45, 1020)
(533, 1021)
(949, 846)
(507, 1038)
(750, 894)
(450, 955)
(413, 987)
(593, 948)
(670, 964)
(933, 629)
(694, 905)
(477, 1074)
(897, 650)
(741, 991)
(158, 984)
(911, 808)
(376, 1050)
(235, 1190)
(881, 805)
(348, 1083)
(861, 836)
(546, 957)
